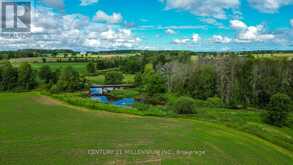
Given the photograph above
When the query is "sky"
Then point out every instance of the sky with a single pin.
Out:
(196, 25)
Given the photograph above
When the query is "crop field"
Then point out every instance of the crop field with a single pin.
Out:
(51, 132)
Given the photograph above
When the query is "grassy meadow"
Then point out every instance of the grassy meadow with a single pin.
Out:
(100, 79)
(52, 132)
(80, 66)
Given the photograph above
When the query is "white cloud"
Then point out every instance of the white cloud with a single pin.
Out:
(181, 41)
(237, 24)
(170, 31)
(247, 34)
(54, 31)
(291, 22)
(269, 6)
(101, 16)
(195, 38)
(254, 34)
(213, 8)
(88, 2)
(220, 39)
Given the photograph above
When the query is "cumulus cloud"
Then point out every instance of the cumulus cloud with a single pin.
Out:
(195, 38)
(54, 3)
(101, 16)
(170, 31)
(248, 34)
(237, 24)
(75, 32)
(88, 2)
(213, 8)
(181, 41)
(269, 6)
(220, 39)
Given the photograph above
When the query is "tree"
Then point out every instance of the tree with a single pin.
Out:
(202, 83)
(55, 76)
(69, 80)
(114, 77)
(155, 84)
(26, 77)
(131, 65)
(278, 110)
(138, 79)
(8, 77)
(91, 68)
(46, 74)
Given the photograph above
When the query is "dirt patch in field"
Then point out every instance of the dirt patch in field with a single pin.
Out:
(47, 101)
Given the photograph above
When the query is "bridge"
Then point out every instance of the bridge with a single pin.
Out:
(102, 89)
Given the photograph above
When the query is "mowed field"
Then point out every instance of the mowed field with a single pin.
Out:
(35, 129)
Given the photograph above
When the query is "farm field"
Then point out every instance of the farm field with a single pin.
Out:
(100, 79)
(51, 132)
(80, 66)
(37, 64)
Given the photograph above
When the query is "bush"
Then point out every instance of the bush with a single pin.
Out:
(278, 110)
(141, 106)
(157, 99)
(214, 102)
(184, 105)
(55, 89)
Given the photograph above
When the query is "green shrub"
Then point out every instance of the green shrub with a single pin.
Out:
(141, 106)
(184, 105)
(214, 102)
(278, 110)
(157, 99)
(54, 89)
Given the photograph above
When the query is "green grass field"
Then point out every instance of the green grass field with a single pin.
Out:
(79, 66)
(100, 79)
(35, 129)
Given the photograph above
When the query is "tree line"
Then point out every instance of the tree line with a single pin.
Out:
(24, 78)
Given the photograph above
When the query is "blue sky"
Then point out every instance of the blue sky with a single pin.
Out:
(211, 25)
